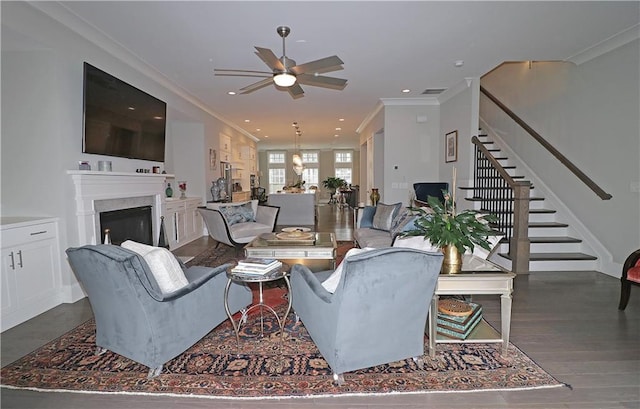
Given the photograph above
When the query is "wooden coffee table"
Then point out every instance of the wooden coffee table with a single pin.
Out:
(478, 276)
(318, 255)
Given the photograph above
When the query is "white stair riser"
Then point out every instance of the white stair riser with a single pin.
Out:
(547, 248)
(542, 217)
(556, 265)
(547, 231)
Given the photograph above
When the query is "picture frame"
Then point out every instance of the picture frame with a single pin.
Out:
(212, 159)
(451, 147)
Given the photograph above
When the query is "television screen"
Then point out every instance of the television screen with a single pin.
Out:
(121, 120)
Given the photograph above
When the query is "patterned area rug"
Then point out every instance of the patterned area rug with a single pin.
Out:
(265, 367)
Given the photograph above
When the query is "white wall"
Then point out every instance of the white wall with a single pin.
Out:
(459, 112)
(42, 82)
(589, 113)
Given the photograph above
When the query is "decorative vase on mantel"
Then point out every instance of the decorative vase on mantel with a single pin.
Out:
(452, 262)
(375, 196)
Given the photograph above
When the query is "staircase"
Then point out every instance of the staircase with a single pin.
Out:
(553, 247)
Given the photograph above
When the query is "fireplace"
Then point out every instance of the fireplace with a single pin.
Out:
(127, 224)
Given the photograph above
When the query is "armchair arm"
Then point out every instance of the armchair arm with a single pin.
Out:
(267, 215)
(205, 274)
(303, 276)
(216, 225)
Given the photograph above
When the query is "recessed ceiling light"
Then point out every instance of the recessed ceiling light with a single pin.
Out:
(257, 129)
(266, 136)
(247, 120)
(336, 135)
(341, 119)
(406, 91)
(459, 63)
(338, 129)
(231, 93)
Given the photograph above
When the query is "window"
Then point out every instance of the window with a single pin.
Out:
(277, 175)
(311, 167)
(343, 165)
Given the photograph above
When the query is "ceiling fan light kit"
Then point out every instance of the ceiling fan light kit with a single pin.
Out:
(284, 79)
(285, 73)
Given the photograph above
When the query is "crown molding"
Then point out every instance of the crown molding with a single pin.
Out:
(607, 45)
(70, 20)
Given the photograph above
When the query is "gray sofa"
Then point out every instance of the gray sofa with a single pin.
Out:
(224, 227)
(377, 313)
(135, 319)
(368, 233)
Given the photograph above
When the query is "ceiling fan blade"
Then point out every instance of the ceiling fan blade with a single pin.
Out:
(269, 58)
(322, 81)
(226, 71)
(296, 91)
(245, 75)
(317, 65)
(256, 86)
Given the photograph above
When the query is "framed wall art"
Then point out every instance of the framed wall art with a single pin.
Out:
(451, 147)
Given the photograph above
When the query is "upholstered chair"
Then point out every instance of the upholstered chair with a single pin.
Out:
(135, 319)
(225, 226)
(377, 312)
(630, 275)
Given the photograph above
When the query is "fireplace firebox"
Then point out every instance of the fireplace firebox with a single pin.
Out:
(127, 224)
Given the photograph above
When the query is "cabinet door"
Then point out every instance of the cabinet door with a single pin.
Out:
(35, 278)
(225, 143)
(8, 284)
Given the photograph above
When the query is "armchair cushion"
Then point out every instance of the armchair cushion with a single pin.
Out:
(331, 283)
(163, 265)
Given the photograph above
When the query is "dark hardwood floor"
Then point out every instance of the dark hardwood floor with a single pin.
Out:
(567, 322)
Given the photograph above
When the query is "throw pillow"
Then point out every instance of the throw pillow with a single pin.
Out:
(384, 215)
(402, 222)
(366, 220)
(417, 243)
(238, 214)
(163, 265)
(331, 283)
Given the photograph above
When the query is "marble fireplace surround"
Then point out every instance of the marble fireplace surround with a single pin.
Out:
(97, 192)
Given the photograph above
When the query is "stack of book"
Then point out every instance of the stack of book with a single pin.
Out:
(257, 266)
(459, 325)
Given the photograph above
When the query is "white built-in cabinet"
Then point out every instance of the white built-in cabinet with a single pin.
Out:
(182, 221)
(225, 148)
(31, 282)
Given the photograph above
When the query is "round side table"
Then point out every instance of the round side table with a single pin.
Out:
(260, 279)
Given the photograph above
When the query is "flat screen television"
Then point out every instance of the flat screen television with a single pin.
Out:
(121, 120)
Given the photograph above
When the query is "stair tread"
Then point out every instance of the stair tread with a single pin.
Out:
(555, 256)
(536, 211)
(491, 167)
(542, 224)
(479, 199)
(554, 239)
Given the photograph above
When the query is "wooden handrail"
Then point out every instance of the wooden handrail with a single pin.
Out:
(563, 159)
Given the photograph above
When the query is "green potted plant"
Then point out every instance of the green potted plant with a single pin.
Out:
(333, 183)
(454, 232)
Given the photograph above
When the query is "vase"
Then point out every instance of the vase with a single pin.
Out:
(168, 191)
(452, 262)
(375, 196)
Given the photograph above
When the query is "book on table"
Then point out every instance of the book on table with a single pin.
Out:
(248, 270)
(258, 263)
(459, 326)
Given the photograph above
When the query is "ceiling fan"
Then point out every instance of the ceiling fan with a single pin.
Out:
(285, 73)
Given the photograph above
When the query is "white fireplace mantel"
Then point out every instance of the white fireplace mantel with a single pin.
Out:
(92, 186)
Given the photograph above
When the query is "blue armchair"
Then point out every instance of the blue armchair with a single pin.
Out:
(378, 311)
(135, 319)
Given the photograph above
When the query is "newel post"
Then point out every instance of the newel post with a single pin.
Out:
(520, 246)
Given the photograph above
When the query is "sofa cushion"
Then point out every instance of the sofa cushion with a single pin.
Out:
(331, 283)
(238, 213)
(163, 265)
(383, 218)
(245, 232)
(372, 238)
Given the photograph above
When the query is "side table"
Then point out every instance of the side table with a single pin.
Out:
(260, 279)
